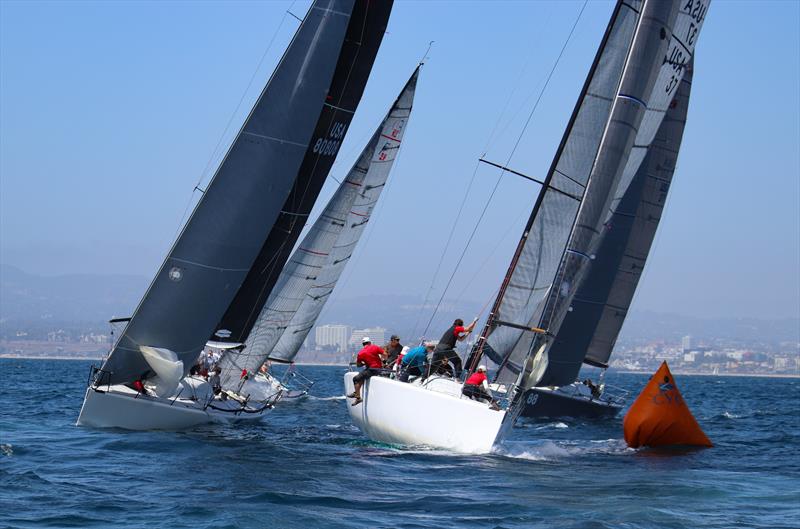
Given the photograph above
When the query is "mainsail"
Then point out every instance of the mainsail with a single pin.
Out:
(590, 330)
(364, 34)
(314, 268)
(220, 241)
(649, 45)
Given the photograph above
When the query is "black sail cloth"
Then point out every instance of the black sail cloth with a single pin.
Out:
(364, 35)
(221, 240)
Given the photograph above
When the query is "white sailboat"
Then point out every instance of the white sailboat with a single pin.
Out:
(215, 271)
(633, 80)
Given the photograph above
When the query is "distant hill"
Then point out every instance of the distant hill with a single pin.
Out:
(76, 299)
(67, 298)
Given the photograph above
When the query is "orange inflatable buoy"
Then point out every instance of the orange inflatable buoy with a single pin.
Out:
(660, 417)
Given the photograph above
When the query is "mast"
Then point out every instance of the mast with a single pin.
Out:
(365, 32)
(656, 63)
(220, 241)
(475, 356)
(312, 260)
(546, 234)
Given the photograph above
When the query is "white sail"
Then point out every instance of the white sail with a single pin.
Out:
(311, 273)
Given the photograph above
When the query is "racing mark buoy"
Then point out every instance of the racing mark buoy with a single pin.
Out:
(660, 417)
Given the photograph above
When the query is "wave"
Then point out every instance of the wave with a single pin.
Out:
(334, 397)
(7, 450)
(552, 451)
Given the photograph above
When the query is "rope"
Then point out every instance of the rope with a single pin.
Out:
(508, 161)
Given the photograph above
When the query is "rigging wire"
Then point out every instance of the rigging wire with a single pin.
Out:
(508, 161)
(485, 149)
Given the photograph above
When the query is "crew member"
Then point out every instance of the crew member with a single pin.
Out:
(477, 386)
(371, 357)
(445, 352)
(393, 349)
(414, 361)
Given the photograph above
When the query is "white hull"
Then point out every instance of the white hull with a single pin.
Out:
(121, 407)
(436, 415)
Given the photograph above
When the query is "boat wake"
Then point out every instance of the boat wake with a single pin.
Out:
(547, 450)
(335, 397)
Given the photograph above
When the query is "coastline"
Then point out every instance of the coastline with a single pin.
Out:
(313, 364)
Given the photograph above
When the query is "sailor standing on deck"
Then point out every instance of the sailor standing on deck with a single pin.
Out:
(371, 356)
(445, 352)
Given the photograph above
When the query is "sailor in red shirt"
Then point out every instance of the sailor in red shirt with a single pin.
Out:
(371, 356)
(477, 386)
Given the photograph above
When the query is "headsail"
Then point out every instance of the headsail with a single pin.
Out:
(590, 330)
(654, 64)
(542, 244)
(214, 252)
(364, 34)
(654, 69)
(315, 266)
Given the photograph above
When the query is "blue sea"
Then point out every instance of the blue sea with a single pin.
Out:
(307, 466)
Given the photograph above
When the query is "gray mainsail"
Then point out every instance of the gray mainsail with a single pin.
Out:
(227, 228)
(653, 63)
(311, 273)
(590, 330)
(663, 45)
(539, 252)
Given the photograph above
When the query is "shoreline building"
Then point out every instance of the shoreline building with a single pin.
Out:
(333, 335)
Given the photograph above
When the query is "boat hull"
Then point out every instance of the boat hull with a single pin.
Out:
(120, 407)
(549, 402)
(401, 413)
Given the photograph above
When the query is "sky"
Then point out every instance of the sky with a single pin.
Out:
(112, 112)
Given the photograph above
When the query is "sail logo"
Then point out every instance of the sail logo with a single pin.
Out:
(175, 274)
(330, 146)
(667, 394)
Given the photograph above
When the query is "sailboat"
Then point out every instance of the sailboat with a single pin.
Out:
(228, 255)
(307, 281)
(633, 80)
(590, 330)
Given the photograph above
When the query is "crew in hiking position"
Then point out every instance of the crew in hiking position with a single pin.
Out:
(477, 386)
(371, 357)
(445, 352)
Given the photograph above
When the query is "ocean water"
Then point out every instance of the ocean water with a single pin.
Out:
(306, 466)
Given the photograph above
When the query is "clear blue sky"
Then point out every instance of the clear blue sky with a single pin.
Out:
(110, 112)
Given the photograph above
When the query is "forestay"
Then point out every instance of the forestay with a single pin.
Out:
(364, 35)
(220, 241)
(601, 303)
(664, 42)
(316, 265)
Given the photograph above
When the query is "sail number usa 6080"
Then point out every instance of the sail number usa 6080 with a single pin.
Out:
(330, 145)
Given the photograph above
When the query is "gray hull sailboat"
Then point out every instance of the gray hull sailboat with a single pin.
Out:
(308, 279)
(296, 123)
(569, 283)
